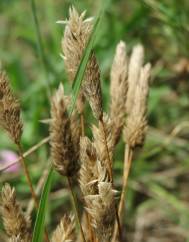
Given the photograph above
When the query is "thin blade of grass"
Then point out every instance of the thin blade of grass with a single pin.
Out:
(40, 220)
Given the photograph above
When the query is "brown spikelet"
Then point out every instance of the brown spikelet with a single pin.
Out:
(16, 224)
(75, 39)
(63, 153)
(65, 231)
(101, 207)
(88, 171)
(136, 123)
(98, 134)
(9, 110)
(118, 90)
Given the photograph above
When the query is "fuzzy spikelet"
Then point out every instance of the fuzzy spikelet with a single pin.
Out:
(75, 39)
(101, 207)
(16, 224)
(135, 65)
(136, 123)
(63, 153)
(9, 110)
(88, 171)
(98, 134)
(65, 231)
(118, 90)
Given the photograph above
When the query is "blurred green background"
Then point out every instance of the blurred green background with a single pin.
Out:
(158, 196)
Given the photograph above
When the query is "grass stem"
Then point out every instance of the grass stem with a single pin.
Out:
(126, 170)
(75, 205)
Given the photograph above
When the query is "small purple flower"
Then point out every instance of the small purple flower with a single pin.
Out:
(7, 157)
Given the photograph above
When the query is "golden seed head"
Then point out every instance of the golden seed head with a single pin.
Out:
(15, 222)
(118, 90)
(136, 123)
(101, 206)
(65, 231)
(63, 151)
(9, 110)
(135, 65)
(76, 35)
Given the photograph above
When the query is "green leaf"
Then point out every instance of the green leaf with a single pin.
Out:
(40, 220)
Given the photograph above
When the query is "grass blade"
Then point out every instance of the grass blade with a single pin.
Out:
(40, 220)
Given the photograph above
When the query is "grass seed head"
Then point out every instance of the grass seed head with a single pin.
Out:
(15, 222)
(76, 36)
(63, 151)
(118, 90)
(9, 110)
(136, 122)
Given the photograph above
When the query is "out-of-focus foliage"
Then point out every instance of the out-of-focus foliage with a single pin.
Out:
(158, 196)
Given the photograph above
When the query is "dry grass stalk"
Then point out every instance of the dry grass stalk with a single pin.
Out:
(9, 110)
(101, 206)
(15, 222)
(63, 150)
(65, 231)
(118, 90)
(75, 39)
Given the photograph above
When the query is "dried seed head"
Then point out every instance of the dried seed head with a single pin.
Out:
(75, 39)
(76, 34)
(101, 207)
(136, 123)
(118, 90)
(88, 171)
(15, 222)
(135, 65)
(99, 140)
(19, 239)
(65, 231)
(9, 110)
(64, 156)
